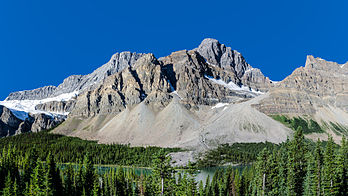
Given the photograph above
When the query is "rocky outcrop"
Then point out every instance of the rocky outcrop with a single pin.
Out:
(42, 122)
(39, 93)
(189, 76)
(319, 84)
(8, 122)
(118, 62)
(11, 125)
(142, 82)
(60, 107)
(233, 62)
(185, 74)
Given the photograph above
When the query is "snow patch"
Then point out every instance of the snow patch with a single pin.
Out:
(21, 108)
(219, 105)
(232, 86)
(173, 90)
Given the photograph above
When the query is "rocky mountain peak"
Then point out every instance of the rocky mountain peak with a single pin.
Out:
(218, 55)
(320, 64)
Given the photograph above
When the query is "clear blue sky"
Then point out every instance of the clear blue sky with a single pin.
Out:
(42, 42)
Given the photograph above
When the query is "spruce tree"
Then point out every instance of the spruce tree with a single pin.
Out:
(8, 189)
(296, 164)
(340, 172)
(54, 183)
(329, 168)
(317, 170)
(261, 174)
(309, 183)
(163, 173)
(88, 176)
(69, 180)
(38, 180)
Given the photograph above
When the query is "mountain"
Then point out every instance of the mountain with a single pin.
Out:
(195, 99)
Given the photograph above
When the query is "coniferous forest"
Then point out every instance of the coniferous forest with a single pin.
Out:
(295, 167)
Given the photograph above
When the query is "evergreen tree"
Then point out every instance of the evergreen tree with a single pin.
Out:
(318, 164)
(163, 171)
(200, 188)
(54, 182)
(96, 186)
(8, 189)
(38, 180)
(329, 168)
(309, 183)
(261, 169)
(296, 164)
(69, 181)
(88, 176)
(340, 172)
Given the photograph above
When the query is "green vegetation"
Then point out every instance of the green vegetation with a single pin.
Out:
(308, 126)
(292, 168)
(71, 149)
(237, 153)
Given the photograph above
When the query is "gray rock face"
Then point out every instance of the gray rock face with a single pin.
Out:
(57, 106)
(229, 60)
(39, 93)
(8, 122)
(118, 62)
(142, 82)
(187, 72)
(319, 84)
(43, 122)
(184, 74)
(11, 125)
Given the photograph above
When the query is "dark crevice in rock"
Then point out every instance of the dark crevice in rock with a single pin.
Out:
(134, 73)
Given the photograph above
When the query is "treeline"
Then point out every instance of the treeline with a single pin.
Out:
(291, 169)
(30, 175)
(296, 169)
(308, 126)
(71, 149)
(238, 153)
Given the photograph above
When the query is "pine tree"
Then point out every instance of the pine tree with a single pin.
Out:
(200, 188)
(163, 171)
(261, 174)
(96, 186)
(88, 176)
(329, 167)
(340, 171)
(317, 170)
(69, 181)
(296, 164)
(283, 169)
(309, 183)
(38, 180)
(54, 182)
(8, 189)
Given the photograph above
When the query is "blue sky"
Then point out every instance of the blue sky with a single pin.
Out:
(42, 42)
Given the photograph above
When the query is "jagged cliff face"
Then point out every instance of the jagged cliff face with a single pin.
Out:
(142, 82)
(186, 74)
(181, 100)
(118, 62)
(11, 125)
(232, 62)
(308, 89)
(192, 98)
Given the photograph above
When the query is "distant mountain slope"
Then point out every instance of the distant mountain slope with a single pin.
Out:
(195, 99)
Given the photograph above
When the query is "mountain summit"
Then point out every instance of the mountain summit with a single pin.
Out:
(193, 99)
